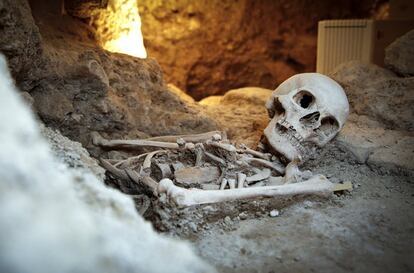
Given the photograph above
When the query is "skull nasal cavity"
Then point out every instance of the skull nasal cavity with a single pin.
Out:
(304, 99)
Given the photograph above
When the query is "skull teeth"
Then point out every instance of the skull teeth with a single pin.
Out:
(284, 129)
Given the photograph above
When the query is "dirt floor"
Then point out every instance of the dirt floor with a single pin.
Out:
(367, 230)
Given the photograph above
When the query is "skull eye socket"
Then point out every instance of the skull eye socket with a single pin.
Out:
(329, 126)
(304, 99)
(278, 108)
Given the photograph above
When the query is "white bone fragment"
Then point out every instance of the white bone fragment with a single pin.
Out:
(272, 165)
(232, 183)
(197, 175)
(216, 158)
(317, 185)
(131, 162)
(241, 177)
(292, 173)
(245, 149)
(189, 146)
(223, 184)
(216, 137)
(225, 146)
(199, 151)
(261, 175)
(180, 141)
(147, 162)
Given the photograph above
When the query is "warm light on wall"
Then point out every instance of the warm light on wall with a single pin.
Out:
(119, 28)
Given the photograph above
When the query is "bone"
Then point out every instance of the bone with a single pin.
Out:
(216, 158)
(292, 173)
(130, 144)
(129, 162)
(131, 175)
(199, 151)
(261, 175)
(232, 183)
(196, 138)
(163, 170)
(317, 185)
(241, 177)
(114, 170)
(147, 162)
(224, 146)
(264, 163)
(245, 149)
(223, 184)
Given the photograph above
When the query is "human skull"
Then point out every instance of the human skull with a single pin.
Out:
(307, 111)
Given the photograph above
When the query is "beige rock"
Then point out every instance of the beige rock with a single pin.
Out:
(241, 113)
(378, 94)
(399, 56)
(196, 175)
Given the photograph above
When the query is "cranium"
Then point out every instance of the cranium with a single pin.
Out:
(307, 111)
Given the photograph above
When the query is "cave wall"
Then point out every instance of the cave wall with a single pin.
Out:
(209, 47)
(77, 87)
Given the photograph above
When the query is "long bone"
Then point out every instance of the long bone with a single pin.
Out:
(245, 149)
(317, 185)
(127, 174)
(131, 144)
(196, 138)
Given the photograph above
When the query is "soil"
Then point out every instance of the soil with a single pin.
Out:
(369, 229)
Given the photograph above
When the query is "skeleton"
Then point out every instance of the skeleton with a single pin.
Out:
(306, 112)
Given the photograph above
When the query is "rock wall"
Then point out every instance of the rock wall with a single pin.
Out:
(209, 47)
(55, 219)
(77, 87)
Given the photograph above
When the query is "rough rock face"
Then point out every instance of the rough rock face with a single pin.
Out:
(209, 47)
(399, 56)
(370, 143)
(78, 87)
(21, 42)
(55, 219)
(378, 94)
(241, 113)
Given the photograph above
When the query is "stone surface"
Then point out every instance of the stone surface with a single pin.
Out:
(209, 47)
(197, 175)
(78, 87)
(399, 56)
(241, 113)
(380, 148)
(378, 93)
(71, 153)
(59, 219)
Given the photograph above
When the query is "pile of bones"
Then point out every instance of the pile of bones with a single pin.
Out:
(306, 111)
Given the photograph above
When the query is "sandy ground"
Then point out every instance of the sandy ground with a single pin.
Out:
(367, 230)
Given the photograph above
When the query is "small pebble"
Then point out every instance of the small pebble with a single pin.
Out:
(243, 216)
(274, 213)
(193, 227)
(216, 137)
(227, 220)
